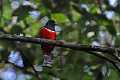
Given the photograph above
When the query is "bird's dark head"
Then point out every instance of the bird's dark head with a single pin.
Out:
(50, 25)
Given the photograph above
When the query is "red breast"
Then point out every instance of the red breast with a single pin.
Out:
(47, 33)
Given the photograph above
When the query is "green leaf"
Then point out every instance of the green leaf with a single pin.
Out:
(87, 77)
(117, 41)
(75, 15)
(60, 17)
(113, 75)
(103, 22)
(7, 10)
(93, 9)
(33, 30)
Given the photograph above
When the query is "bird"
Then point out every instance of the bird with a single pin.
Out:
(47, 32)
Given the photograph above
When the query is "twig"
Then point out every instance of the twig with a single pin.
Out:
(107, 59)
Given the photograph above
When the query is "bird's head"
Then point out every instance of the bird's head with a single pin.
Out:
(50, 25)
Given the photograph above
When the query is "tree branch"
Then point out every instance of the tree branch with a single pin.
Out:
(114, 63)
(105, 51)
(80, 47)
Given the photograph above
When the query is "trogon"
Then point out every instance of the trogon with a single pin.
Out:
(47, 32)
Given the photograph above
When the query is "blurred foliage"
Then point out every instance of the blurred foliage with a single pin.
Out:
(82, 21)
